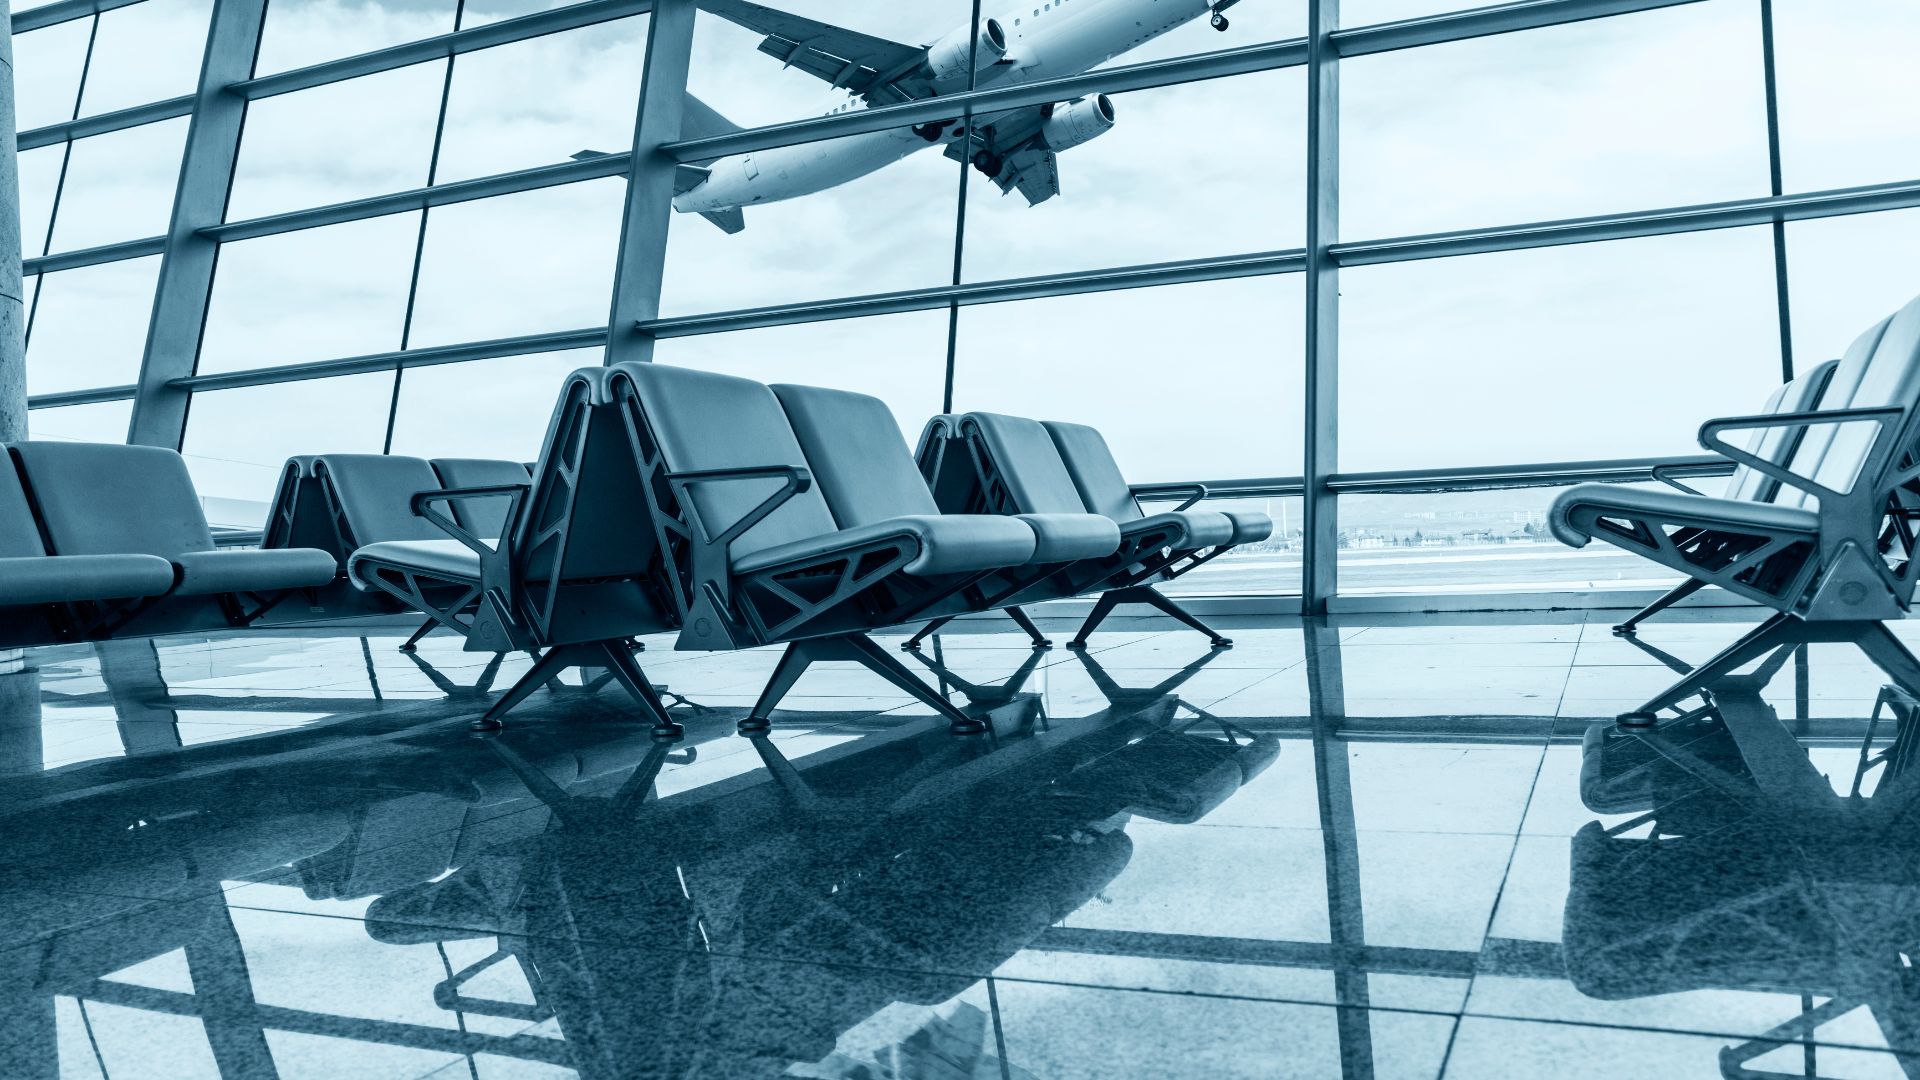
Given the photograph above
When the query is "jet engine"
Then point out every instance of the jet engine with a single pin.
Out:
(1068, 125)
(948, 57)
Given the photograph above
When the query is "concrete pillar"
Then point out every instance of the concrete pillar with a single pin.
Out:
(13, 313)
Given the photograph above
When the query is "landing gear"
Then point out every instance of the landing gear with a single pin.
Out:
(988, 162)
(932, 130)
(1219, 22)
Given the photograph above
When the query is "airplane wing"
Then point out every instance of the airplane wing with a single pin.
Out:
(1026, 164)
(866, 65)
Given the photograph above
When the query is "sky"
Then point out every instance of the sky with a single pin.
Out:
(1595, 351)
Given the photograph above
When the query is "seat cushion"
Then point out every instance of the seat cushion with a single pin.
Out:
(949, 544)
(448, 559)
(1197, 528)
(107, 499)
(1067, 537)
(1674, 507)
(1095, 473)
(203, 573)
(1249, 526)
(54, 579)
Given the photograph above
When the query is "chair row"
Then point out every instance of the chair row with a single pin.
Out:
(101, 541)
(742, 515)
(1818, 524)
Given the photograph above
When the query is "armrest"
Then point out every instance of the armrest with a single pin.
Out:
(423, 502)
(1193, 491)
(1882, 416)
(711, 560)
(1664, 474)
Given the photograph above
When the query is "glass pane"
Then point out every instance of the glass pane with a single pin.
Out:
(237, 440)
(1660, 108)
(889, 230)
(105, 421)
(144, 52)
(1264, 568)
(1476, 541)
(1576, 353)
(1368, 12)
(1141, 171)
(298, 33)
(1187, 382)
(479, 12)
(519, 264)
(315, 294)
(46, 72)
(90, 326)
(1848, 85)
(900, 359)
(120, 185)
(333, 143)
(506, 111)
(484, 408)
(39, 180)
(1846, 273)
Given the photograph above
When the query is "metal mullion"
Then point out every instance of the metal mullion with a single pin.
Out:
(89, 396)
(1484, 22)
(1142, 275)
(428, 357)
(1704, 217)
(60, 183)
(80, 127)
(1775, 178)
(1320, 538)
(118, 251)
(61, 12)
(200, 199)
(960, 217)
(487, 36)
(646, 217)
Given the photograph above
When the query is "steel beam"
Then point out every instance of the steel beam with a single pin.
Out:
(984, 292)
(390, 361)
(1320, 535)
(62, 11)
(81, 397)
(93, 256)
(102, 123)
(648, 214)
(1776, 187)
(1484, 22)
(485, 36)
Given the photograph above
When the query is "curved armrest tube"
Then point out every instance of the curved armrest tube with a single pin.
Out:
(1194, 491)
(1711, 430)
(422, 506)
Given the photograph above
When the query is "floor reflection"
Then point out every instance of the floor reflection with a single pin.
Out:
(1402, 848)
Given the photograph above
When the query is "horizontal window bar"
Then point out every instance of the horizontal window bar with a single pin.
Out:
(985, 292)
(411, 358)
(505, 32)
(62, 11)
(82, 397)
(93, 256)
(102, 123)
(419, 198)
(1484, 22)
(1587, 230)
(1485, 478)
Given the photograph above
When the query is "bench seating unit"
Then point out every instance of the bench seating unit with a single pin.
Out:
(571, 573)
(991, 463)
(1831, 553)
(767, 542)
(107, 519)
(1775, 444)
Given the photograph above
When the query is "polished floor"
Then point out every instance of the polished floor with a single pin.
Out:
(1415, 847)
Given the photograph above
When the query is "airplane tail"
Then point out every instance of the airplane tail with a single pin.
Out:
(698, 120)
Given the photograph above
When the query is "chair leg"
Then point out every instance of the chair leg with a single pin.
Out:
(612, 655)
(793, 663)
(1021, 620)
(625, 668)
(862, 650)
(1160, 601)
(1768, 636)
(1102, 607)
(1673, 596)
(1893, 657)
(413, 642)
(544, 671)
(913, 642)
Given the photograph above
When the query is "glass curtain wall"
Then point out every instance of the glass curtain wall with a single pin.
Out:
(1566, 234)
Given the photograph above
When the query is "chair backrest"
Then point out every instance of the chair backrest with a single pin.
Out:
(19, 532)
(858, 457)
(371, 496)
(702, 420)
(484, 517)
(110, 499)
(1881, 368)
(587, 502)
(1095, 474)
(1777, 445)
(1025, 462)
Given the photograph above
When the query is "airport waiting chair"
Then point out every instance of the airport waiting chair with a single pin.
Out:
(1775, 444)
(755, 552)
(992, 463)
(1831, 554)
(47, 598)
(482, 517)
(111, 500)
(572, 573)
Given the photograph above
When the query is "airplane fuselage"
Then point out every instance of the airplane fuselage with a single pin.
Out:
(1065, 37)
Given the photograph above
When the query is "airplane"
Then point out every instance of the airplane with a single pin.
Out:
(1015, 148)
